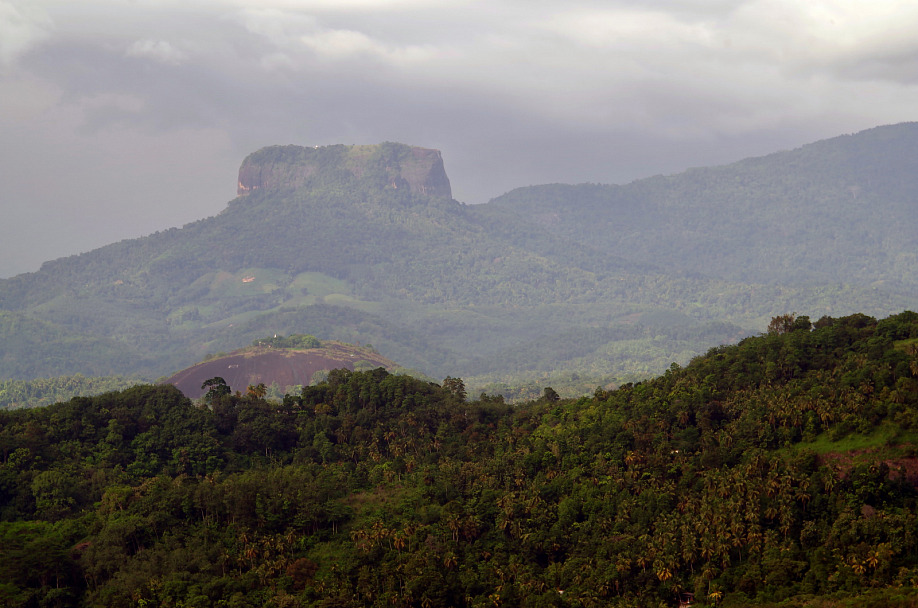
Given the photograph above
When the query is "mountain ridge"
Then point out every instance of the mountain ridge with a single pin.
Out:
(664, 267)
(849, 182)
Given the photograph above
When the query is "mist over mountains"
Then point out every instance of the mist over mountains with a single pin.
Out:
(578, 284)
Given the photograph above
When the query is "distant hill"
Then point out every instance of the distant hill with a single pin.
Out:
(585, 284)
(283, 367)
(843, 210)
(16, 394)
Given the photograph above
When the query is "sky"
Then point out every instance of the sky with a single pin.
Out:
(119, 118)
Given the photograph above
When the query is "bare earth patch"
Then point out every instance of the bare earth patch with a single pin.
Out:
(906, 466)
(282, 366)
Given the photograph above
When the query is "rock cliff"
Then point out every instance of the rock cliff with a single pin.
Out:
(388, 165)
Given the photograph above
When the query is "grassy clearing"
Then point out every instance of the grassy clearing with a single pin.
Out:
(317, 284)
(885, 437)
(903, 344)
(250, 281)
(338, 299)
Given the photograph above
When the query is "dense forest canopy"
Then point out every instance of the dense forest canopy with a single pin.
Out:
(780, 468)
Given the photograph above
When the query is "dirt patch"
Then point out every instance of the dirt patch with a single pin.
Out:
(281, 366)
(905, 466)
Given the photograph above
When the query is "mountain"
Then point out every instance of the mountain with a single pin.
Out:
(777, 472)
(843, 210)
(577, 285)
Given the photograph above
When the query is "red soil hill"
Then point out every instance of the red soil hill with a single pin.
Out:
(286, 367)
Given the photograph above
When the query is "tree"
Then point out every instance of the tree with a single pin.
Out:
(216, 388)
(802, 323)
(782, 324)
(257, 391)
(456, 386)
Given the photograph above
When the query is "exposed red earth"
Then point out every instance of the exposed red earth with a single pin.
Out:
(900, 465)
(286, 367)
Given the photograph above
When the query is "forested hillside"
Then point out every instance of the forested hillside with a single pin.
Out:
(15, 394)
(570, 285)
(781, 468)
(821, 214)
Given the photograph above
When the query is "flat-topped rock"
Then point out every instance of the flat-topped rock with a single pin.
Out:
(389, 165)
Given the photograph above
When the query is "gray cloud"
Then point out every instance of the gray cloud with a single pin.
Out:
(158, 50)
(22, 27)
(118, 119)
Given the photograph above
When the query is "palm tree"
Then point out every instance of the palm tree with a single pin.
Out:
(257, 391)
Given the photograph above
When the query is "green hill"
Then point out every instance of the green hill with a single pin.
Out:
(841, 210)
(605, 283)
(779, 471)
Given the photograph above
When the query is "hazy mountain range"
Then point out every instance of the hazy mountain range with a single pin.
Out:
(573, 284)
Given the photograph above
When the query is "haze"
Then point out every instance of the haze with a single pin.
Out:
(119, 118)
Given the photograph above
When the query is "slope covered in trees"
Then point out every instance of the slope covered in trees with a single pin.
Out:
(363, 244)
(782, 468)
(756, 220)
(15, 394)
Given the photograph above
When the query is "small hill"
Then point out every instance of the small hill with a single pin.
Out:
(285, 367)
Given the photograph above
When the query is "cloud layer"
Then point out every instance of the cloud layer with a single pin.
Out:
(119, 118)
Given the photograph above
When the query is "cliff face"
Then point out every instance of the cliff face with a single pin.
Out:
(385, 165)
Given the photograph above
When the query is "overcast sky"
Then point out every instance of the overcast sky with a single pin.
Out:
(122, 117)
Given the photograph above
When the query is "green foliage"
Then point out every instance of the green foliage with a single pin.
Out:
(45, 391)
(374, 488)
(299, 341)
(216, 388)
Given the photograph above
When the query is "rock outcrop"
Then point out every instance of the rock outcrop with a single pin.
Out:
(283, 367)
(388, 165)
